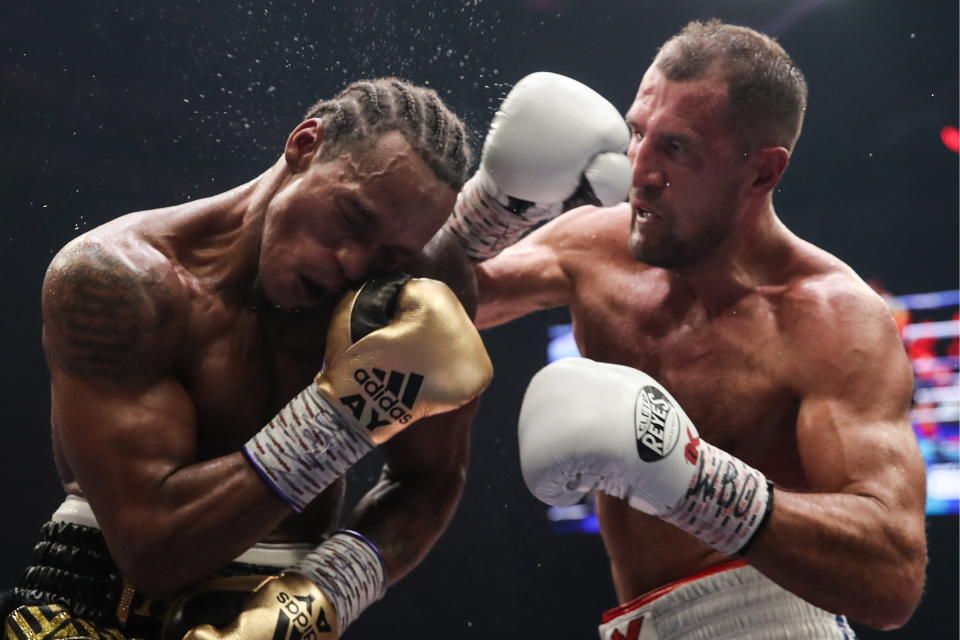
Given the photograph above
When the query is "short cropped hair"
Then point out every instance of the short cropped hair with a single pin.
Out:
(767, 91)
(367, 109)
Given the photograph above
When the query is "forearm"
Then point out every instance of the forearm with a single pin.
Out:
(404, 515)
(492, 307)
(845, 553)
(197, 520)
(856, 548)
(517, 282)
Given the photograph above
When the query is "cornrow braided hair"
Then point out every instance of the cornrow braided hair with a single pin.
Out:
(367, 109)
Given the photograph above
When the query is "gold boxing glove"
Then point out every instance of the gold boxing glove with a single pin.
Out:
(401, 349)
(398, 349)
(284, 607)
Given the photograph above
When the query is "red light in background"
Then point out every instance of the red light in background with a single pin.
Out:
(951, 138)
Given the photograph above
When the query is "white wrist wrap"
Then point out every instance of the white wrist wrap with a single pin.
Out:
(726, 503)
(349, 571)
(484, 225)
(305, 448)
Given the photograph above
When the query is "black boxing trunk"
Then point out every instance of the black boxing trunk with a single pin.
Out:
(72, 589)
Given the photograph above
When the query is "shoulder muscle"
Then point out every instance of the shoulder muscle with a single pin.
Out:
(106, 316)
(839, 329)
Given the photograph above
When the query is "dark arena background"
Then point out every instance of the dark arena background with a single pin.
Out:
(110, 107)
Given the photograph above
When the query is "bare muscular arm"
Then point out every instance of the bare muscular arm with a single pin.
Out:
(127, 428)
(856, 543)
(528, 276)
(418, 490)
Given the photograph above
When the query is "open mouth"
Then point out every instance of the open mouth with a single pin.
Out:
(643, 213)
(313, 288)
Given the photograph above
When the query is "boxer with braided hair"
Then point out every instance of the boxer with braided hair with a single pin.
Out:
(369, 108)
(219, 365)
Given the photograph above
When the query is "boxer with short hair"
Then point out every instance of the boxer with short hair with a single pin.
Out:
(218, 366)
(741, 412)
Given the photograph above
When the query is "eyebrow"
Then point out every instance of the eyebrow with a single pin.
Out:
(669, 135)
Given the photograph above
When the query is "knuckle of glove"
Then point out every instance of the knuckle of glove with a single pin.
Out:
(429, 357)
(609, 175)
(546, 132)
(432, 336)
(449, 341)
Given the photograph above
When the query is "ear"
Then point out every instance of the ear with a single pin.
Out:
(770, 163)
(303, 143)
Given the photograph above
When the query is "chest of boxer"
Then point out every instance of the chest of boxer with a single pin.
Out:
(241, 368)
(726, 370)
(240, 372)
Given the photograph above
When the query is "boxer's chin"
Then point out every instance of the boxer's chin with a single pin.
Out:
(260, 300)
(662, 252)
(658, 246)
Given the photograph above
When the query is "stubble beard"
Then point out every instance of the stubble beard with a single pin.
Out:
(671, 252)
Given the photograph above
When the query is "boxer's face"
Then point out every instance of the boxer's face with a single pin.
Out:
(688, 170)
(341, 220)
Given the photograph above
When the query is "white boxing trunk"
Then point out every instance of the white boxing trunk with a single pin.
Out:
(732, 601)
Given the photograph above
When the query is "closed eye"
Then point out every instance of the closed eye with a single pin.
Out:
(356, 218)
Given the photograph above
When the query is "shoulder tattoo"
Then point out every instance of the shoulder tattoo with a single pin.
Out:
(107, 315)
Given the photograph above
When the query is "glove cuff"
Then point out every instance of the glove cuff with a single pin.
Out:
(726, 503)
(305, 448)
(486, 221)
(349, 569)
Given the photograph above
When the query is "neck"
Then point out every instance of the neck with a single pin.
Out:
(217, 239)
(751, 256)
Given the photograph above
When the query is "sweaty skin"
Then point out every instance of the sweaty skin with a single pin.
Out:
(166, 356)
(776, 350)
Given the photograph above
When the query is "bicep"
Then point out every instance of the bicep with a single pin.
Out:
(853, 430)
(122, 440)
(859, 453)
(123, 421)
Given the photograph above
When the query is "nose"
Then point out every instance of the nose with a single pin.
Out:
(647, 172)
(355, 259)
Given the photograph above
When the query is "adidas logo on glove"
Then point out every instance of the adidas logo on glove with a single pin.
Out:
(384, 396)
(295, 621)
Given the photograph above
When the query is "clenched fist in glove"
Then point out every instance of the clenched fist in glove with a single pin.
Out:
(593, 426)
(315, 599)
(398, 349)
(554, 144)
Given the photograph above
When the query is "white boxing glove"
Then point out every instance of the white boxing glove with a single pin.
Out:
(554, 144)
(588, 426)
